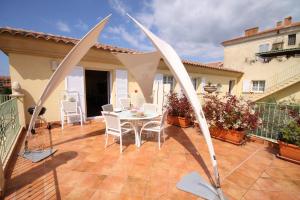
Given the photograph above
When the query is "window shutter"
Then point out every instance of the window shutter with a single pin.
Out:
(203, 83)
(246, 85)
(121, 86)
(74, 83)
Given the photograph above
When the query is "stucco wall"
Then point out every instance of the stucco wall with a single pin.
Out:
(33, 74)
(238, 56)
(291, 93)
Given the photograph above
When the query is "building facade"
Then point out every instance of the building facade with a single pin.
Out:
(99, 78)
(270, 60)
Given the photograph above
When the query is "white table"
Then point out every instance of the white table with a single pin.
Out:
(129, 116)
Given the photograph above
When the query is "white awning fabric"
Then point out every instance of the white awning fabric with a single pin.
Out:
(66, 66)
(143, 68)
(175, 65)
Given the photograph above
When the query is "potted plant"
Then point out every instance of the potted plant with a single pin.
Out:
(289, 137)
(229, 117)
(179, 110)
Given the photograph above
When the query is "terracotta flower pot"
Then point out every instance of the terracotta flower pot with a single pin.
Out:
(232, 136)
(183, 122)
(289, 151)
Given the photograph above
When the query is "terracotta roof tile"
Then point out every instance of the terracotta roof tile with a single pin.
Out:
(261, 33)
(215, 64)
(69, 40)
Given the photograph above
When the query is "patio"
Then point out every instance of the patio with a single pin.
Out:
(83, 169)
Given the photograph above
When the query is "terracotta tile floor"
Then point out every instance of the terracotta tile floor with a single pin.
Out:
(83, 169)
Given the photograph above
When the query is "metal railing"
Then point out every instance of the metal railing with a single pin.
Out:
(4, 98)
(273, 116)
(9, 127)
(277, 81)
(285, 75)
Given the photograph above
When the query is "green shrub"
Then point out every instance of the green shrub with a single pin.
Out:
(290, 133)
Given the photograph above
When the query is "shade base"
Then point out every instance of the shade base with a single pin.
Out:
(36, 156)
(195, 184)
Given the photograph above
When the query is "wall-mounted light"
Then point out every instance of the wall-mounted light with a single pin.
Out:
(54, 65)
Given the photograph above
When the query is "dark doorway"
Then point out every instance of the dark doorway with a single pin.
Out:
(97, 91)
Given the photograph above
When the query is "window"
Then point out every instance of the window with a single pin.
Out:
(258, 86)
(292, 39)
(194, 82)
(231, 85)
(277, 46)
(169, 80)
(263, 48)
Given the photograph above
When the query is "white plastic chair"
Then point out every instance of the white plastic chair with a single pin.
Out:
(155, 126)
(108, 107)
(125, 103)
(70, 109)
(115, 128)
(149, 108)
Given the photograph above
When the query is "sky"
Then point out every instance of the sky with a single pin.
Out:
(195, 28)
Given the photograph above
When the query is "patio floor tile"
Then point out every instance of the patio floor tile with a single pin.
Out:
(83, 169)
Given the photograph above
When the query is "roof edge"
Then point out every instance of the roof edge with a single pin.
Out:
(240, 38)
(73, 41)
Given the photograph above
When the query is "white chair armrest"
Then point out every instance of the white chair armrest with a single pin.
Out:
(127, 123)
(151, 122)
(130, 124)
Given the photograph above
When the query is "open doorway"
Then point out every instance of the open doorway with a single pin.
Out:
(97, 91)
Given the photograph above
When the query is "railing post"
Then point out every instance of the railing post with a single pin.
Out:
(17, 92)
(2, 180)
(20, 102)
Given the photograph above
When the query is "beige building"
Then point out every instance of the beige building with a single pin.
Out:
(98, 79)
(270, 60)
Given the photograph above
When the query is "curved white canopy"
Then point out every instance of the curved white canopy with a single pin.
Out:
(175, 65)
(66, 66)
(142, 66)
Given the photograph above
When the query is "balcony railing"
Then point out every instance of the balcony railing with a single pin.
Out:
(9, 127)
(286, 74)
(278, 81)
(4, 97)
(273, 116)
(279, 52)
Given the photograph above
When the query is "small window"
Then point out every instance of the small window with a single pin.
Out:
(169, 80)
(258, 86)
(263, 48)
(194, 82)
(277, 46)
(231, 85)
(292, 39)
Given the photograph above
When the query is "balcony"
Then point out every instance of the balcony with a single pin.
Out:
(292, 52)
(83, 169)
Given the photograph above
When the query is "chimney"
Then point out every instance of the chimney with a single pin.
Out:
(287, 21)
(251, 31)
(279, 23)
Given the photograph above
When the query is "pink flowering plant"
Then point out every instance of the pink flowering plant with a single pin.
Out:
(230, 112)
(178, 105)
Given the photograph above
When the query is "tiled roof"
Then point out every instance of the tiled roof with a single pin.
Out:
(220, 67)
(215, 64)
(73, 41)
(58, 39)
(295, 24)
(4, 77)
